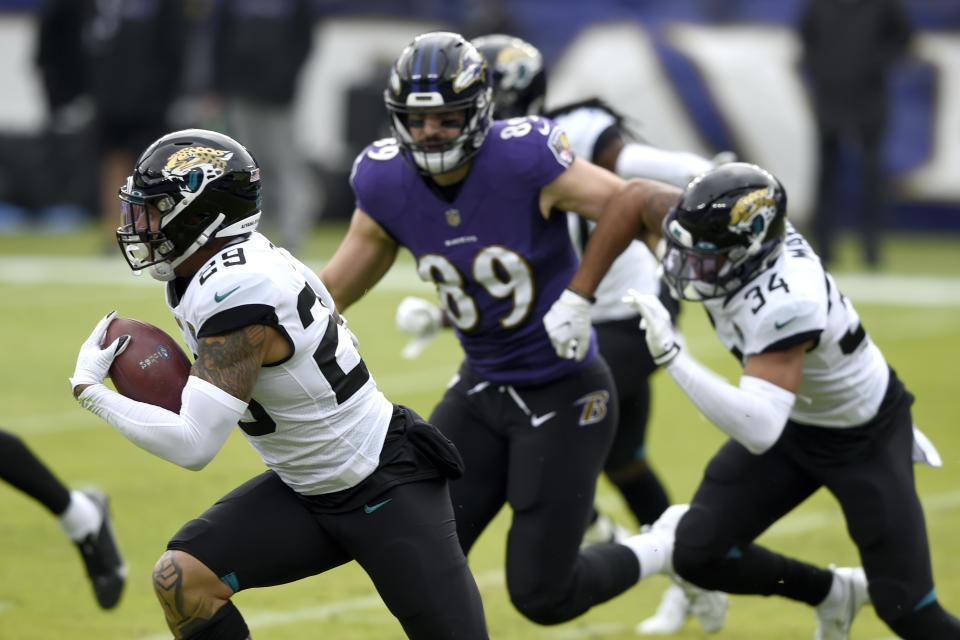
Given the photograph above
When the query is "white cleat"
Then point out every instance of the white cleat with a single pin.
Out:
(847, 595)
(708, 607)
(670, 616)
(684, 598)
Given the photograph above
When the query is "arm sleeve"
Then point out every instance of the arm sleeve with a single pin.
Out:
(190, 439)
(644, 161)
(754, 414)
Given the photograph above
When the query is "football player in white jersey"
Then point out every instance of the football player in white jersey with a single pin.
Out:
(351, 476)
(817, 406)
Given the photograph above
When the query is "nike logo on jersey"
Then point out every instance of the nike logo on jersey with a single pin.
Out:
(220, 297)
(781, 325)
(536, 421)
(371, 508)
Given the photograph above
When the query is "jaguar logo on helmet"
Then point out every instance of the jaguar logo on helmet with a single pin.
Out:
(753, 212)
(197, 165)
(473, 68)
(519, 66)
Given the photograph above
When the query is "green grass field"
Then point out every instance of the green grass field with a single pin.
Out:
(53, 295)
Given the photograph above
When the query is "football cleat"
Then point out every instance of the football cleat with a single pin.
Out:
(708, 607)
(671, 614)
(835, 615)
(101, 556)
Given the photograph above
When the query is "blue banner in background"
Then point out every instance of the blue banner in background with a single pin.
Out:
(698, 75)
(648, 59)
(921, 87)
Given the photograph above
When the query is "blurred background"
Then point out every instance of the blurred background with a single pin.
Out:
(86, 84)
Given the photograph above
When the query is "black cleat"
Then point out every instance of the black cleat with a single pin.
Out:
(101, 556)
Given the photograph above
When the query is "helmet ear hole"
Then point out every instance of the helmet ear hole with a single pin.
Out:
(195, 219)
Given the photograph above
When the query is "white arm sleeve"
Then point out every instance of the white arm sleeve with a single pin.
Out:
(754, 414)
(190, 439)
(644, 161)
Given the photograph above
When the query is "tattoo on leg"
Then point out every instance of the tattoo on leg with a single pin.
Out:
(182, 617)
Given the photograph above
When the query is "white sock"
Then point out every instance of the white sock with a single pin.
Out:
(81, 518)
(835, 594)
(652, 551)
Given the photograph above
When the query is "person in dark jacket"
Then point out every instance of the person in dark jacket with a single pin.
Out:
(125, 57)
(850, 47)
(259, 49)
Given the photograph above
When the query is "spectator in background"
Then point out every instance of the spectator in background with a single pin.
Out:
(126, 57)
(850, 47)
(258, 52)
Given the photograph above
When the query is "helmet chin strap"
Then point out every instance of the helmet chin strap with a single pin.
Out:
(165, 271)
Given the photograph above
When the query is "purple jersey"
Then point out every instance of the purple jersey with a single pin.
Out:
(497, 264)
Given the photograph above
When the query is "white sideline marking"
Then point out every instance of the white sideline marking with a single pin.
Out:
(489, 580)
(911, 291)
(106, 270)
(264, 619)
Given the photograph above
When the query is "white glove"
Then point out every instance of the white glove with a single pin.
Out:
(93, 362)
(568, 325)
(421, 318)
(661, 339)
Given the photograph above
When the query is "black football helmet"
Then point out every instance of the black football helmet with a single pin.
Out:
(439, 72)
(202, 185)
(519, 78)
(728, 226)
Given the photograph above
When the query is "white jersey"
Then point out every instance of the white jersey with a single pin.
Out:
(317, 419)
(844, 376)
(636, 267)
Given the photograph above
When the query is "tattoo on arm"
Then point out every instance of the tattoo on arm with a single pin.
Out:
(232, 361)
(657, 199)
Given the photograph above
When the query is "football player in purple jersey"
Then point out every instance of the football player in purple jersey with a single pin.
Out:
(597, 132)
(480, 205)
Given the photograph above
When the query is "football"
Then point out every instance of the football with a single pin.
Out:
(153, 368)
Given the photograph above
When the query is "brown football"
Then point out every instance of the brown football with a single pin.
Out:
(153, 368)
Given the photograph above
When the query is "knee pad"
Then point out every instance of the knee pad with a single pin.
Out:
(930, 622)
(896, 602)
(695, 544)
(539, 608)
